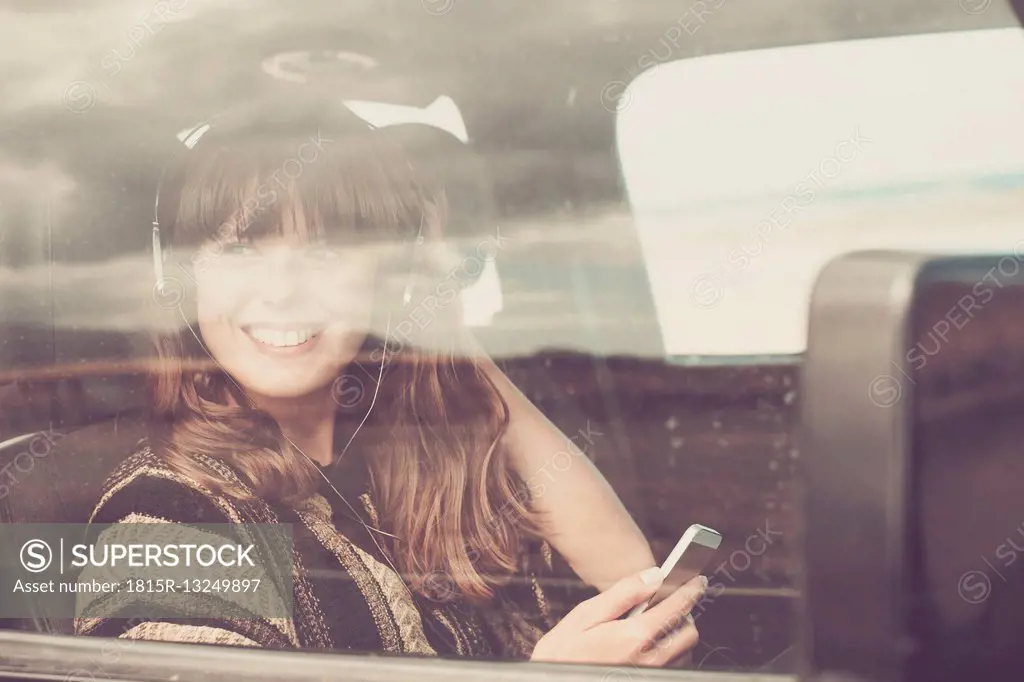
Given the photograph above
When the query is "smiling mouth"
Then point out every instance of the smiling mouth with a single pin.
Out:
(276, 337)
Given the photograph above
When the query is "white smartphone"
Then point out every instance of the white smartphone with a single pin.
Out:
(691, 555)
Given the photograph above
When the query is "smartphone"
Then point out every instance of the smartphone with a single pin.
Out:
(691, 555)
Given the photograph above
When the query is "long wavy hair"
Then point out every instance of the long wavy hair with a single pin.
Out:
(441, 480)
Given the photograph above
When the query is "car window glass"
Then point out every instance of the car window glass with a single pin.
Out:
(616, 179)
(748, 171)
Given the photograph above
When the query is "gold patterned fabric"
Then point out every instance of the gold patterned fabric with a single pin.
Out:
(347, 596)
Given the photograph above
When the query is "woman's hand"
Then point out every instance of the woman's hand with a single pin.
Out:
(590, 632)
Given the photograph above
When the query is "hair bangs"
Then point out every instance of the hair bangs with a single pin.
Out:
(351, 189)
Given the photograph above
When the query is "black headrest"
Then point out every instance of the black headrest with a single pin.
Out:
(53, 477)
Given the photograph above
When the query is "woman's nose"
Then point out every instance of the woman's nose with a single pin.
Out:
(280, 277)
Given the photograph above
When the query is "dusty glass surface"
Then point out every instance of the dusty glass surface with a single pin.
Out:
(529, 118)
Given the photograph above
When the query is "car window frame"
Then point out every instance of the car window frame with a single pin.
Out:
(26, 655)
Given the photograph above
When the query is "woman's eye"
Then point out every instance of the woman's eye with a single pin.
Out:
(239, 249)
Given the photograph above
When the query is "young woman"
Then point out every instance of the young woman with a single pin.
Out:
(414, 529)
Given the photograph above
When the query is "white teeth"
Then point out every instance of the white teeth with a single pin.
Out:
(281, 338)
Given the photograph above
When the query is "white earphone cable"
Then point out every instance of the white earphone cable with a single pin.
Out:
(370, 529)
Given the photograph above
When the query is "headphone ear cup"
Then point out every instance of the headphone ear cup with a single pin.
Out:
(169, 291)
(407, 292)
(158, 258)
(414, 272)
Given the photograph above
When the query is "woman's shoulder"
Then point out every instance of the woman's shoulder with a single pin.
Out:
(143, 487)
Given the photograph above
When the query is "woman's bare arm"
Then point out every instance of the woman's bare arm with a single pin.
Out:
(584, 519)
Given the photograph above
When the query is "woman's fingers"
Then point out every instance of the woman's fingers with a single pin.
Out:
(590, 632)
(671, 612)
(670, 646)
(615, 601)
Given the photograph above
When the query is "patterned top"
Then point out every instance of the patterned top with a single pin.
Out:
(346, 595)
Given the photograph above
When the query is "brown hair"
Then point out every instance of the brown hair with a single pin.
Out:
(441, 480)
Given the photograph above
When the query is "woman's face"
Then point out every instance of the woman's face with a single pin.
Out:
(281, 315)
